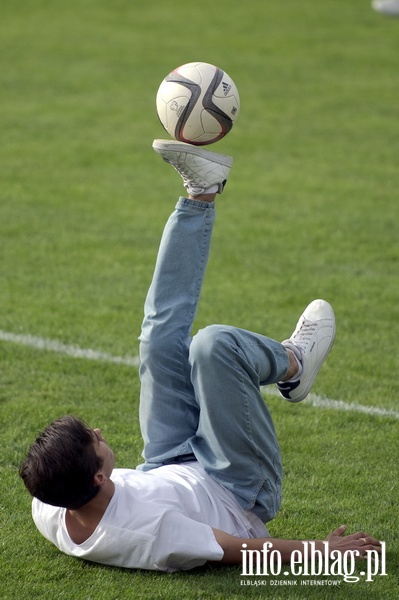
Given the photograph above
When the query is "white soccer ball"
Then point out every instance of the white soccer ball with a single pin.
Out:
(198, 103)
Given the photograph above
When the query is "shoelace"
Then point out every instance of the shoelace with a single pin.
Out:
(304, 334)
(185, 174)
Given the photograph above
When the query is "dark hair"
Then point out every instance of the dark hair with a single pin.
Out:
(60, 466)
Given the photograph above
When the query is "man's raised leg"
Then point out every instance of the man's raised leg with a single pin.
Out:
(168, 408)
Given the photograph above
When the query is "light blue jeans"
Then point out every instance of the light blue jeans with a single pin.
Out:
(201, 396)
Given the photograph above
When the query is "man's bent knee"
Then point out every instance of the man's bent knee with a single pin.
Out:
(211, 344)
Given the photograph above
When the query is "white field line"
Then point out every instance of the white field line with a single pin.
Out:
(339, 405)
(39, 343)
(74, 351)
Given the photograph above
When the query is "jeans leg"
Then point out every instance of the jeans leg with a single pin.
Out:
(236, 441)
(168, 409)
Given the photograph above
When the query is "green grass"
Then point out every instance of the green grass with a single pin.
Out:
(310, 210)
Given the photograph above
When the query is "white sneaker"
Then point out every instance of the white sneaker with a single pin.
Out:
(200, 169)
(311, 342)
(390, 8)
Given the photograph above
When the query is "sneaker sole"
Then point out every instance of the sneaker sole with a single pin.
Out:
(175, 146)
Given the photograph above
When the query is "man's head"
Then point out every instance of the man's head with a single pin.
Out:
(62, 463)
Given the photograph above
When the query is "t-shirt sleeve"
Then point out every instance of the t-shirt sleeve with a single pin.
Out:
(177, 543)
(182, 543)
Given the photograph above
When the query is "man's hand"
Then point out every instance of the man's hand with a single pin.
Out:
(356, 541)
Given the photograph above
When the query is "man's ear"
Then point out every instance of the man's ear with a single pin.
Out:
(100, 478)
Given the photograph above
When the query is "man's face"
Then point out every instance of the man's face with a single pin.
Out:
(104, 452)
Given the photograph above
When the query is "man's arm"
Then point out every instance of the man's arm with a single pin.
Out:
(232, 546)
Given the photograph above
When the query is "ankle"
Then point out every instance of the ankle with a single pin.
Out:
(203, 197)
(294, 366)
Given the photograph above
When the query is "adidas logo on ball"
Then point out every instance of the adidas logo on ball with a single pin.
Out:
(226, 87)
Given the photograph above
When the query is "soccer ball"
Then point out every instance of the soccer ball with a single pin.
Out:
(389, 8)
(198, 103)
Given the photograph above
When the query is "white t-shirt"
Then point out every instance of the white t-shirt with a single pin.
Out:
(159, 520)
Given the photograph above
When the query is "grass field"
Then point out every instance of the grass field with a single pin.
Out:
(311, 210)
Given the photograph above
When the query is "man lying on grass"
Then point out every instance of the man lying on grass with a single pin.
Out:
(212, 470)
